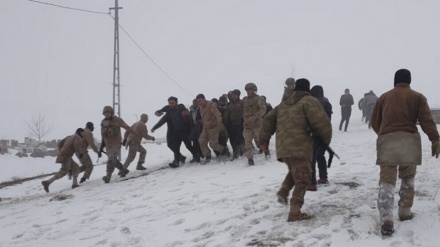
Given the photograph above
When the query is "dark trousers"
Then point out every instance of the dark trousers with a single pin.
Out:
(345, 118)
(176, 142)
(236, 137)
(318, 157)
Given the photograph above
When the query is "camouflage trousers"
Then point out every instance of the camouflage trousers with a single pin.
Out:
(133, 148)
(298, 177)
(86, 165)
(210, 136)
(112, 154)
(387, 182)
(250, 134)
(66, 165)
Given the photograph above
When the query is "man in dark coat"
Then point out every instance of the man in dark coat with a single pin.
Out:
(319, 147)
(346, 102)
(180, 123)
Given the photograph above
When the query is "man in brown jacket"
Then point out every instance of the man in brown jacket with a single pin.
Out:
(233, 119)
(111, 139)
(254, 108)
(399, 145)
(67, 147)
(294, 121)
(86, 161)
(134, 143)
(212, 125)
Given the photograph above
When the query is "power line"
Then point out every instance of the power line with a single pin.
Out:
(125, 31)
(152, 60)
(71, 8)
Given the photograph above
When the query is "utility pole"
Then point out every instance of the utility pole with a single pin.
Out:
(116, 71)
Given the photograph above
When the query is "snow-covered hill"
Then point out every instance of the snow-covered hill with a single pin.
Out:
(219, 204)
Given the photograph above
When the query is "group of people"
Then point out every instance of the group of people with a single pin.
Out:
(301, 123)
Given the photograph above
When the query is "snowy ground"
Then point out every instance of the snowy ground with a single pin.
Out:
(220, 204)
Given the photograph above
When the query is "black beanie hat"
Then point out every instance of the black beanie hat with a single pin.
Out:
(89, 125)
(302, 85)
(402, 75)
(236, 91)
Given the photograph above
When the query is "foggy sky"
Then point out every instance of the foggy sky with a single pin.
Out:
(59, 62)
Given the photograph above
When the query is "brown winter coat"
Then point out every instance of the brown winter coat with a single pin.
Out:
(293, 120)
(398, 110)
(211, 117)
(254, 108)
(141, 129)
(68, 146)
(88, 140)
(111, 131)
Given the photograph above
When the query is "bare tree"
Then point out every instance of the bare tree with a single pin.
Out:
(39, 127)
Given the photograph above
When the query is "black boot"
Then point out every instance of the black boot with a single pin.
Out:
(82, 180)
(140, 167)
(251, 162)
(174, 164)
(182, 159)
(207, 160)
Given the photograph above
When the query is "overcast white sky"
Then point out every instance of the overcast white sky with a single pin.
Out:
(59, 62)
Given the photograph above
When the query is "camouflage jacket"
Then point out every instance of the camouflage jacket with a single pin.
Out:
(68, 146)
(88, 140)
(141, 129)
(211, 117)
(293, 121)
(111, 130)
(254, 109)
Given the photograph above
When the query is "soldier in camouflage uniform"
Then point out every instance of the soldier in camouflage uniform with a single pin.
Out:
(111, 140)
(254, 108)
(67, 147)
(399, 147)
(86, 161)
(134, 143)
(288, 89)
(294, 121)
(212, 125)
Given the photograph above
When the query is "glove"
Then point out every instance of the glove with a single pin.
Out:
(153, 139)
(81, 156)
(124, 142)
(435, 148)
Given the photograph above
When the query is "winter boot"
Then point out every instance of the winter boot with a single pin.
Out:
(182, 159)
(405, 214)
(207, 160)
(75, 182)
(82, 180)
(385, 205)
(311, 187)
(124, 172)
(46, 185)
(387, 228)
(282, 195)
(251, 162)
(267, 154)
(296, 215)
(323, 181)
(140, 167)
(174, 164)
(226, 152)
(107, 178)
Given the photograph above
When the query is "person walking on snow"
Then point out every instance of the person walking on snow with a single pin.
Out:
(134, 144)
(67, 147)
(346, 102)
(398, 145)
(111, 139)
(85, 160)
(293, 121)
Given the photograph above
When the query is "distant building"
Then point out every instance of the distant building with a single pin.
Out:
(14, 143)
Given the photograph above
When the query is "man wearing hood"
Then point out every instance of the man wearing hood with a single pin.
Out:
(370, 100)
(293, 121)
(318, 147)
(399, 147)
